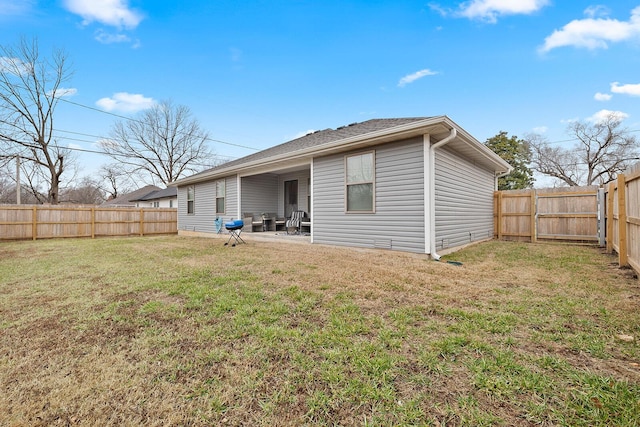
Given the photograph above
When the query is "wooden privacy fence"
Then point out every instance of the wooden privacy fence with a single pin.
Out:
(19, 222)
(564, 214)
(609, 215)
(623, 217)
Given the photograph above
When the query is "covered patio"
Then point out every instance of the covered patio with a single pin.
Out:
(269, 199)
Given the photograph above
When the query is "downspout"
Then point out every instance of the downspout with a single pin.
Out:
(432, 190)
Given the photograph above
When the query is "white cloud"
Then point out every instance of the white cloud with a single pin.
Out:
(602, 96)
(540, 129)
(75, 146)
(415, 76)
(594, 33)
(63, 91)
(115, 13)
(301, 134)
(628, 89)
(13, 65)
(596, 11)
(489, 10)
(108, 38)
(13, 7)
(126, 102)
(602, 115)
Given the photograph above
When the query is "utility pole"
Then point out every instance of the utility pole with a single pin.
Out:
(18, 189)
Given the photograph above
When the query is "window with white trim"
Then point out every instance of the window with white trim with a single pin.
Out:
(360, 182)
(220, 195)
(191, 199)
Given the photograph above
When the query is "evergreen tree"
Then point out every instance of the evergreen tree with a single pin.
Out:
(517, 153)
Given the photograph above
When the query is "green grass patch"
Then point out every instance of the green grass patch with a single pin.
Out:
(188, 332)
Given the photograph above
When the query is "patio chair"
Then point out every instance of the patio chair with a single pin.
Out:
(235, 229)
(257, 223)
(293, 223)
(280, 223)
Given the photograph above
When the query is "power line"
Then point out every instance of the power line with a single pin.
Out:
(84, 150)
(139, 121)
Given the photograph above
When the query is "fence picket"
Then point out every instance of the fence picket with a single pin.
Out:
(19, 222)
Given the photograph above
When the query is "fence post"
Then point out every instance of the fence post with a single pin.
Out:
(93, 223)
(622, 222)
(142, 222)
(610, 201)
(34, 223)
(601, 221)
(534, 235)
(499, 215)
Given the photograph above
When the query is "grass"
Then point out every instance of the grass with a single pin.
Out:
(183, 331)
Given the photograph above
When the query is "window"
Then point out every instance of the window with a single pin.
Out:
(220, 192)
(156, 204)
(360, 182)
(171, 203)
(191, 199)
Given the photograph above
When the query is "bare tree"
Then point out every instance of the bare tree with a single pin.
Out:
(30, 89)
(161, 145)
(115, 182)
(87, 192)
(604, 150)
(9, 186)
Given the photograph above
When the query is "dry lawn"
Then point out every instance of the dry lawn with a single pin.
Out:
(183, 331)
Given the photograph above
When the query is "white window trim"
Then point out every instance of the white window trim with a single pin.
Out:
(347, 184)
(193, 200)
(224, 183)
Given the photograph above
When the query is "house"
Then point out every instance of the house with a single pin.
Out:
(125, 201)
(165, 198)
(420, 185)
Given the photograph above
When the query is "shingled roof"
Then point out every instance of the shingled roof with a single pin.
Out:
(293, 154)
(126, 199)
(159, 194)
(318, 138)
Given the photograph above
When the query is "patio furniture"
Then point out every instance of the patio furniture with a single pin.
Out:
(293, 224)
(235, 229)
(305, 223)
(280, 223)
(257, 223)
(248, 219)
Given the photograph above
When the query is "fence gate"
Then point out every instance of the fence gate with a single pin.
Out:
(573, 216)
(562, 214)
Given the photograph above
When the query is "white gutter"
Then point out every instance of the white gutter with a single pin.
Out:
(432, 191)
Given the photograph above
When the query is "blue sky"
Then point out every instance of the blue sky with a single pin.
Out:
(258, 73)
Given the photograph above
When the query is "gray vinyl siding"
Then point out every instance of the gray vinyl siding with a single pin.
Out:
(205, 206)
(464, 200)
(259, 194)
(398, 221)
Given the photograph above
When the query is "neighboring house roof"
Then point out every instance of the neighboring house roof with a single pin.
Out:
(165, 193)
(351, 137)
(126, 199)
